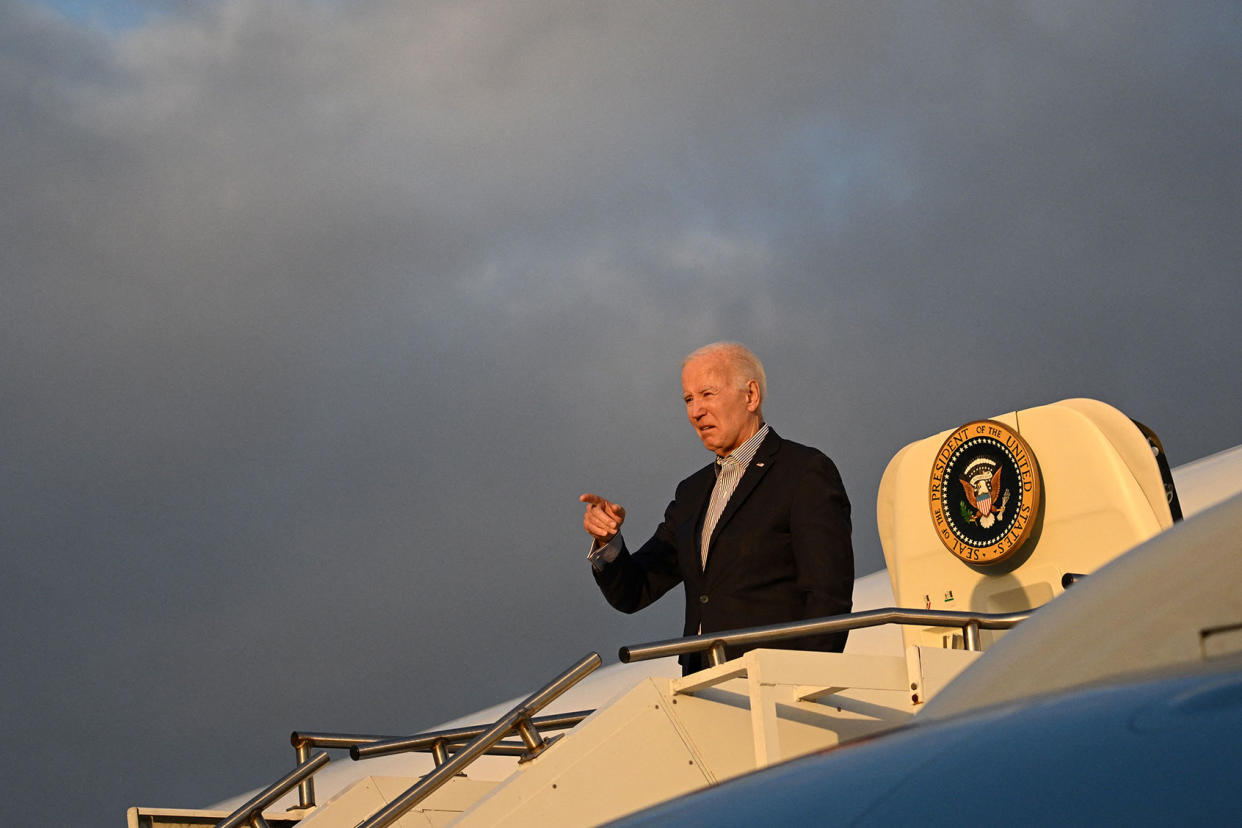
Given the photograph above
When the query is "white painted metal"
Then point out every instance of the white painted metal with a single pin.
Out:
(1103, 494)
(1174, 601)
(353, 805)
(1207, 481)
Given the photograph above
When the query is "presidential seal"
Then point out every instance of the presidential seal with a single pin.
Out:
(984, 492)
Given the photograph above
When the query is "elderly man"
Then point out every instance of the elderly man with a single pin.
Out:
(760, 536)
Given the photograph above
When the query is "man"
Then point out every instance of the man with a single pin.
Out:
(760, 536)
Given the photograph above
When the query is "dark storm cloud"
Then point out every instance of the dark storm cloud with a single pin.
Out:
(317, 318)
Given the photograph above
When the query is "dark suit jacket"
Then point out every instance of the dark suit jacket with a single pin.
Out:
(780, 551)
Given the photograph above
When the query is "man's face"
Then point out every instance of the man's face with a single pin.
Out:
(723, 415)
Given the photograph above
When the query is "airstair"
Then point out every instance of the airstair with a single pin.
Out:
(1103, 492)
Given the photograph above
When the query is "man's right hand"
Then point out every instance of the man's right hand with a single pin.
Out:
(603, 518)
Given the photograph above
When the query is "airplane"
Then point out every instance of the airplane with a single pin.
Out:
(1057, 635)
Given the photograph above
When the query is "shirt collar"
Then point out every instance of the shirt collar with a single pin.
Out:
(744, 453)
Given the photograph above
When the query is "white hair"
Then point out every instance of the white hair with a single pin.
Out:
(744, 366)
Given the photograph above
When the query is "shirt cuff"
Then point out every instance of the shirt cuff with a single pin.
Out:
(601, 556)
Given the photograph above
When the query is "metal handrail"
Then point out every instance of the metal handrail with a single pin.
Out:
(454, 737)
(343, 741)
(715, 643)
(302, 744)
(439, 743)
(517, 719)
(252, 810)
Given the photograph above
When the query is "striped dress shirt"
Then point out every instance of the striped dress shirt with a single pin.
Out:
(729, 470)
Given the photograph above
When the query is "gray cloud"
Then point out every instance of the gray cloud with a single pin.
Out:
(317, 318)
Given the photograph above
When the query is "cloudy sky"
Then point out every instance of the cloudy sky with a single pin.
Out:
(317, 317)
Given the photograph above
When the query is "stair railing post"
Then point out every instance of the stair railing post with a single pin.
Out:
(306, 788)
(533, 739)
(439, 752)
(970, 635)
(251, 812)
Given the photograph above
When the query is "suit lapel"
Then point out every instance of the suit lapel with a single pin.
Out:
(700, 495)
(764, 457)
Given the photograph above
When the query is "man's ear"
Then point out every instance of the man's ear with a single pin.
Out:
(752, 396)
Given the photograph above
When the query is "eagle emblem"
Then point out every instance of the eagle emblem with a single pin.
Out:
(982, 484)
(992, 509)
